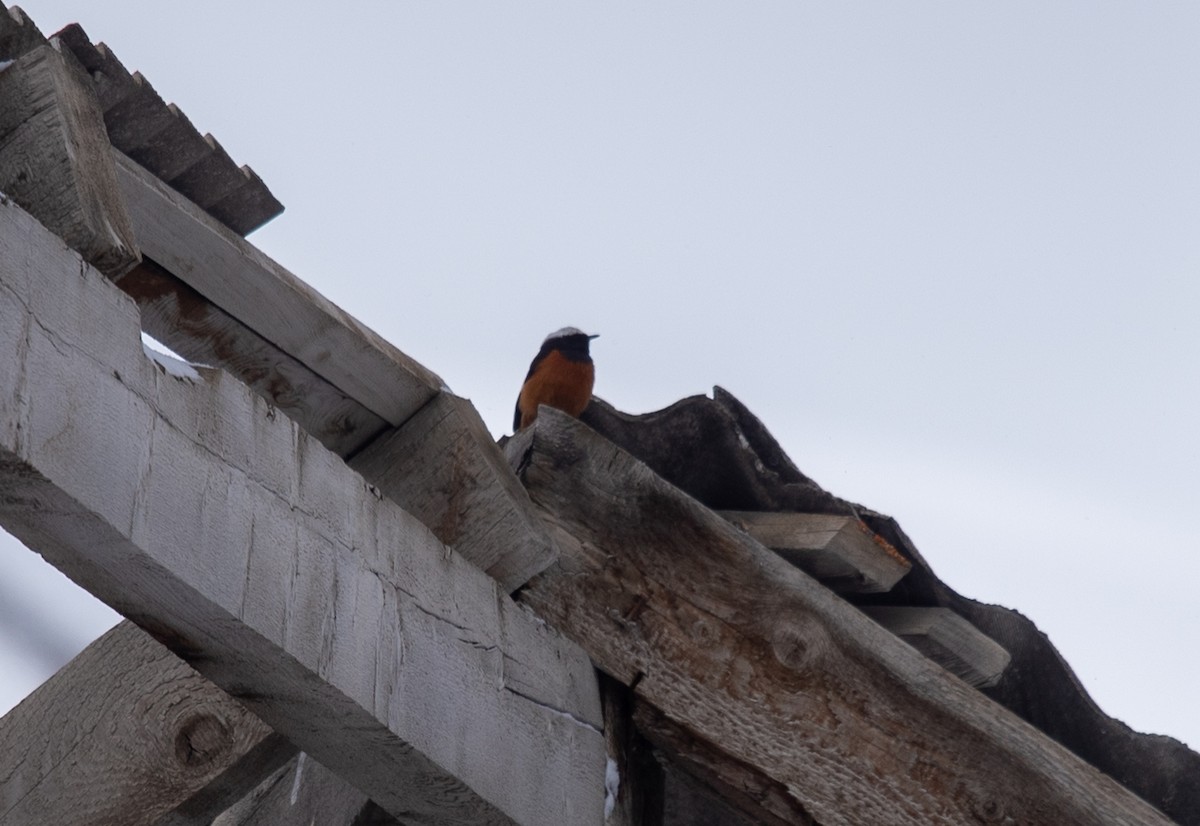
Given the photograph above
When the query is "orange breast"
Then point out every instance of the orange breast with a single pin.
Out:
(558, 382)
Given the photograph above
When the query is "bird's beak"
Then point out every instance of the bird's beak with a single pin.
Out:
(593, 335)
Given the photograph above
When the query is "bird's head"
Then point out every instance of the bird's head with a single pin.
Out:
(568, 339)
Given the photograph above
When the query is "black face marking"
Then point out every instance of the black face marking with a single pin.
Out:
(574, 347)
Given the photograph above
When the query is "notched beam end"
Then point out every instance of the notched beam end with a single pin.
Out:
(57, 162)
(838, 550)
(946, 638)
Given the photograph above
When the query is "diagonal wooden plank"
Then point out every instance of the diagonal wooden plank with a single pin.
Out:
(443, 467)
(243, 282)
(160, 137)
(275, 570)
(181, 318)
(805, 697)
(128, 734)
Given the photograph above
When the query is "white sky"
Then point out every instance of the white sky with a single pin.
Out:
(947, 252)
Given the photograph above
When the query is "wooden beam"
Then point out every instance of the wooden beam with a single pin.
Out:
(160, 138)
(444, 468)
(128, 734)
(18, 34)
(947, 639)
(276, 571)
(840, 551)
(55, 159)
(441, 465)
(796, 690)
(181, 318)
(303, 793)
(251, 288)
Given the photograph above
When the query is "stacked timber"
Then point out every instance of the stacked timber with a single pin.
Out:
(345, 607)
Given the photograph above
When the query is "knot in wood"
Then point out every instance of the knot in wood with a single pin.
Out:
(990, 811)
(798, 641)
(200, 740)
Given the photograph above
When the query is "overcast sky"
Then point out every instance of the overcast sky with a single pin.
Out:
(949, 253)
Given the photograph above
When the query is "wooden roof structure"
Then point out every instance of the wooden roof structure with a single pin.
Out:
(347, 605)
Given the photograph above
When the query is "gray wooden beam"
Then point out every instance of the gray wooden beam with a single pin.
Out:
(947, 639)
(55, 159)
(275, 570)
(182, 319)
(127, 734)
(444, 468)
(794, 690)
(433, 456)
(840, 551)
(160, 137)
(240, 280)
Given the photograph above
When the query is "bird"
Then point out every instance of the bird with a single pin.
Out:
(561, 376)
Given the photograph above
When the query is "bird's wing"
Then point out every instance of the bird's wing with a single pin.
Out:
(538, 359)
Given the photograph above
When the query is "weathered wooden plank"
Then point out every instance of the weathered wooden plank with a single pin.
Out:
(947, 639)
(247, 207)
(18, 34)
(275, 570)
(179, 317)
(250, 287)
(138, 116)
(443, 467)
(304, 793)
(128, 734)
(840, 551)
(55, 159)
(113, 82)
(159, 137)
(210, 179)
(756, 660)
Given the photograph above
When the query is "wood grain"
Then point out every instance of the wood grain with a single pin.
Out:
(128, 734)
(18, 34)
(55, 159)
(443, 467)
(277, 572)
(179, 317)
(159, 137)
(758, 662)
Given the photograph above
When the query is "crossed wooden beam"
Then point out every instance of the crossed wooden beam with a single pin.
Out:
(316, 545)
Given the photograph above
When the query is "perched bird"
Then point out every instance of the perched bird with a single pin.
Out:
(561, 376)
